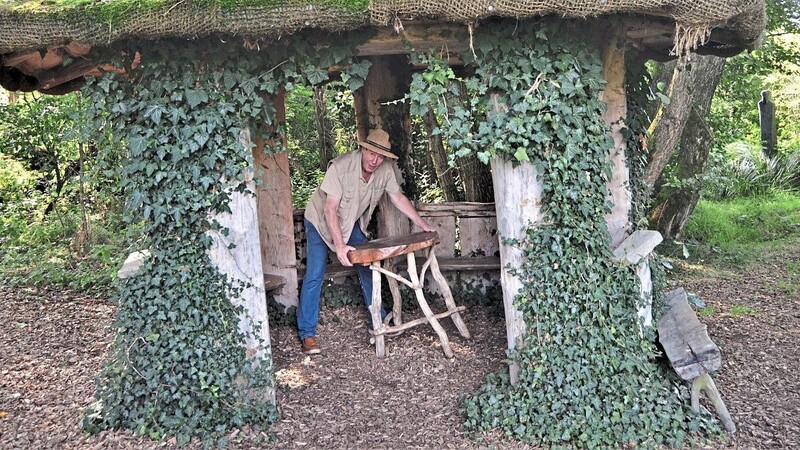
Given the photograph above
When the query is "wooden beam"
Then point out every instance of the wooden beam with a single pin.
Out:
(442, 38)
(53, 77)
(275, 215)
(613, 56)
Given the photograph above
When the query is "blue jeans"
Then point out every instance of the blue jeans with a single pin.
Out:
(316, 260)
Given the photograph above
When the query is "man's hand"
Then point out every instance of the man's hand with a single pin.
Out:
(426, 226)
(341, 253)
(404, 205)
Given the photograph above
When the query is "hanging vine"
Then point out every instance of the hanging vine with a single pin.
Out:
(587, 375)
(177, 366)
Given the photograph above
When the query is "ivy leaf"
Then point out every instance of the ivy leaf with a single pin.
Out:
(137, 145)
(361, 69)
(315, 75)
(196, 96)
(355, 83)
(521, 154)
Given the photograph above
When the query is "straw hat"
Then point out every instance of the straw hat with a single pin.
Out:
(378, 142)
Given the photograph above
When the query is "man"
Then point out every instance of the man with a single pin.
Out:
(336, 217)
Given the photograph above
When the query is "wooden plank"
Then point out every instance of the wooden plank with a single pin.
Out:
(470, 264)
(685, 339)
(444, 37)
(461, 209)
(54, 77)
(445, 226)
(478, 236)
(384, 248)
(275, 215)
(461, 264)
(613, 55)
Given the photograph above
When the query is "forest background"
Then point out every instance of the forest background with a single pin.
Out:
(717, 192)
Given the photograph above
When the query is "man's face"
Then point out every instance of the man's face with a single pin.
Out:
(370, 161)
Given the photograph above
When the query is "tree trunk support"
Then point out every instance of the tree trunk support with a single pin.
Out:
(518, 202)
(614, 96)
(241, 262)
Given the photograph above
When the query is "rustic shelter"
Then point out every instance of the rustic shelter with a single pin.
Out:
(51, 49)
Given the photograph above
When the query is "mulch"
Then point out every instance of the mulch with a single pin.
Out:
(53, 344)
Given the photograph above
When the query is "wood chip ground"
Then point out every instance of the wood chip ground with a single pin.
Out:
(53, 344)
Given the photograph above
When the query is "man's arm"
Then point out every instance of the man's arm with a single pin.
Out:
(332, 218)
(404, 205)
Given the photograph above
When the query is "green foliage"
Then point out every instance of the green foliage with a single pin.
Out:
(742, 222)
(587, 377)
(178, 366)
(748, 173)
(303, 142)
(35, 131)
(53, 251)
(773, 67)
(53, 233)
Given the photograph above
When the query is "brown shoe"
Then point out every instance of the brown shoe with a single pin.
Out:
(310, 346)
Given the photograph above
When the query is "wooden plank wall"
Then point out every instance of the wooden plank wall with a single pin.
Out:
(467, 234)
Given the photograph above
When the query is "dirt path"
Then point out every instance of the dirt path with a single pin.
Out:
(53, 345)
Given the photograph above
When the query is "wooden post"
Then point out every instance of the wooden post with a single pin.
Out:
(242, 265)
(275, 215)
(385, 82)
(518, 201)
(614, 96)
(766, 118)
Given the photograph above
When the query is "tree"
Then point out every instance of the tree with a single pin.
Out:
(677, 197)
(692, 86)
(35, 130)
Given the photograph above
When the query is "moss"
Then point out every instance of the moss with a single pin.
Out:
(114, 14)
(109, 8)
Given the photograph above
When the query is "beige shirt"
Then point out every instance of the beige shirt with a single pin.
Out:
(357, 198)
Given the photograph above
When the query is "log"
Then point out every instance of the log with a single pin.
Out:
(384, 248)
(238, 256)
(614, 96)
(518, 202)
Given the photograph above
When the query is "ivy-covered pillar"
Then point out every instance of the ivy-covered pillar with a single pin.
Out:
(236, 253)
(586, 375)
(191, 354)
(518, 201)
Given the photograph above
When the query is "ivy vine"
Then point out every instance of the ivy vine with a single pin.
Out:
(588, 376)
(177, 365)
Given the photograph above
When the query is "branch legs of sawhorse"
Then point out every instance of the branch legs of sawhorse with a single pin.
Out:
(705, 383)
(416, 282)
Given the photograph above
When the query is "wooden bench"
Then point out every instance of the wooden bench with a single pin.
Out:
(691, 352)
(467, 226)
(378, 255)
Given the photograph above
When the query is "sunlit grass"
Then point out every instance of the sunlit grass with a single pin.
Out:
(741, 230)
(738, 310)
